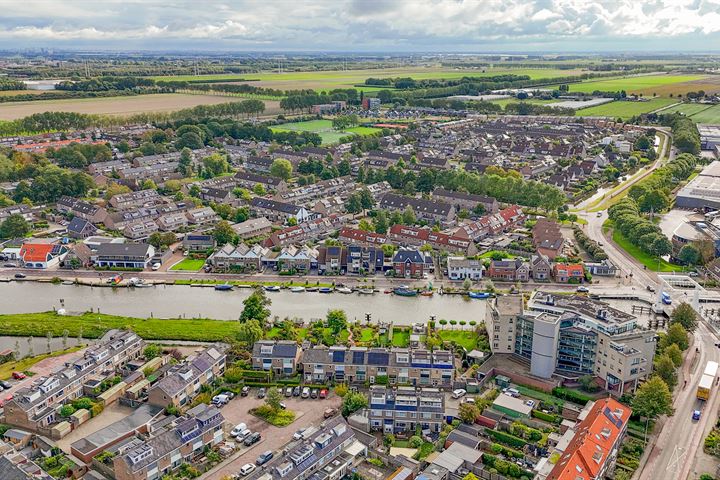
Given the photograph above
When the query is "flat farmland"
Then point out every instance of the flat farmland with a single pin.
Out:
(123, 106)
(699, 113)
(9, 93)
(660, 85)
(624, 109)
(331, 79)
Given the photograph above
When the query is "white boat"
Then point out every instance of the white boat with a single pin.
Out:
(297, 289)
(343, 290)
(272, 288)
(366, 291)
(68, 282)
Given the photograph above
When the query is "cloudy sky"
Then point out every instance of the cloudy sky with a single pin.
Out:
(364, 25)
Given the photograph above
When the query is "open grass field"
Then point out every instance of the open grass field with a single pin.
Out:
(504, 101)
(331, 79)
(661, 85)
(24, 364)
(324, 129)
(122, 106)
(652, 263)
(698, 112)
(188, 265)
(9, 93)
(624, 109)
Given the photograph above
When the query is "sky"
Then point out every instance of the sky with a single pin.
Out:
(472, 26)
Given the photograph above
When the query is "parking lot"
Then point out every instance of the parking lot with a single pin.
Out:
(307, 412)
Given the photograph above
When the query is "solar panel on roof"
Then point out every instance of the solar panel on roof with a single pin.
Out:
(610, 416)
(56, 249)
(338, 357)
(378, 358)
(358, 358)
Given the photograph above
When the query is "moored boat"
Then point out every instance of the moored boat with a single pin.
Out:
(366, 291)
(343, 290)
(480, 295)
(405, 292)
(325, 290)
(224, 287)
(311, 289)
(297, 289)
(272, 288)
(427, 293)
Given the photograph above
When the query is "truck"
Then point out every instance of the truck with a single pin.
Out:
(707, 381)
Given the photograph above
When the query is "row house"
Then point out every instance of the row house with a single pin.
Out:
(341, 186)
(409, 263)
(280, 211)
(217, 195)
(118, 220)
(431, 211)
(466, 201)
(108, 168)
(171, 444)
(159, 173)
(36, 407)
(240, 257)
(249, 180)
(313, 230)
(183, 381)
(353, 259)
(281, 357)
(254, 227)
(361, 237)
(461, 268)
(172, 221)
(395, 366)
(330, 205)
(406, 409)
(140, 229)
(492, 224)
(82, 209)
(201, 216)
(292, 259)
(258, 164)
(19, 209)
(141, 198)
(425, 236)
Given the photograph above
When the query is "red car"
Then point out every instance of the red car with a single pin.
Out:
(18, 375)
(323, 393)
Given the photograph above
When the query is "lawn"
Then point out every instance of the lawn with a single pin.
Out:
(24, 364)
(504, 101)
(699, 113)
(662, 85)
(366, 335)
(189, 264)
(324, 129)
(467, 339)
(624, 109)
(652, 263)
(537, 395)
(401, 338)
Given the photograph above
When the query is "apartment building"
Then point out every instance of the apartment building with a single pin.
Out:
(281, 357)
(361, 237)
(173, 443)
(36, 407)
(353, 259)
(124, 255)
(573, 336)
(400, 366)
(182, 382)
(404, 409)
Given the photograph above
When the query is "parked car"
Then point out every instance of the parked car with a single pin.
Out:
(264, 458)
(20, 275)
(696, 415)
(296, 392)
(243, 435)
(513, 392)
(599, 214)
(323, 393)
(247, 469)
(244, 392)
(237, 429)
(650, 288)
(288, 392)
(530, 403)
(283, 406)
(220, 400)
(261, 393)
(458, 393)
(155, 267)
(10, 265)
(314, 393)
(330, 412)
(305, 392)
(582, 289)
(299, 434)
(19, 376)
(252, 439)
(230, 395)
(5, 384)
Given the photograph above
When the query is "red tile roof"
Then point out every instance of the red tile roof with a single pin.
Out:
(36, 252)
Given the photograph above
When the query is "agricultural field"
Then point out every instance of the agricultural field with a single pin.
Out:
(10, 93)
(649, 85)
(127, 105)
(699, 113)
(625, 110)
(324, 129)
(328, 80)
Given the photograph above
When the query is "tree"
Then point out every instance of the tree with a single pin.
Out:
(675, 354)
(654, 200)
(66, 411)
(259, 189)
(653, 399)
(273, 399)
(366, 199)
(341, 390)
(151, 351)
(471, 476)
(161, 240)
(665, 369)
(353, 204)
(185, 162)
(281, 168)
(249, 332)
(336, 320)
(353, 402)
(468, 412)
(189, 140)
(14, 226)
(215, 165)
(256, 307)
(408, 216)
(689, 255)
(685, 315)
(381, 222)
(365, 225)
(676, 334)
(223, 233)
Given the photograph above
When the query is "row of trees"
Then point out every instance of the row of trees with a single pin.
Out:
(685, 134)
(639, 231)
(52, 182)
(105, 84)
(595, 251)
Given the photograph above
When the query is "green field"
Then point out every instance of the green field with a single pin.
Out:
(662, 85)
(188, 264)
(700, 113)
(624, 109)
(652, 263)
(324, 129)
(504, 101)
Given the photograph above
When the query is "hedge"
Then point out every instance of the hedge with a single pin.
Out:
(506, 438)
(547, 417)
(571, 395)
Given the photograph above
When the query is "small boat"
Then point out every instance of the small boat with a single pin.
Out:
(311, 289)
(272, 288)
(427, 293)
(224, 287)
(68, 282)
(388, 291)
(366, 291)
(297, 289)
(325, 290)
(405, 292)
(142, 284)
(480, 295)
(344, 290)
(115, 280)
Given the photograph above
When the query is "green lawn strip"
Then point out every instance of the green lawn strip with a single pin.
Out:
(94, 325)
(24, 364)
(467, 339)
(401, 338)
(189, 264)
(652, 263)
(490, 253)
(366, 335)
(291, 283)
(538, 395)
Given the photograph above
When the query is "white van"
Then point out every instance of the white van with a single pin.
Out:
(458, 393)
(513, 392)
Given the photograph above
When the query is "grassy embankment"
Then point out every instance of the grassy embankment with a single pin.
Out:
(24, 364)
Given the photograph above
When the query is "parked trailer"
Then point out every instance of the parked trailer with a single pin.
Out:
(711, 369)
(707, 381)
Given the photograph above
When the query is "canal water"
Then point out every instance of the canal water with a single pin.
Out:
(167, 301)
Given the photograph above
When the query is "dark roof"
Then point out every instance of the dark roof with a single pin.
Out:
(266, 203)
(123, 249)
(419, 205)
(78, 225)
(280, 349)
(414, 256)
(254, 177)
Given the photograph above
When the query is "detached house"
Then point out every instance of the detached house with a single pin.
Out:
(573, 273)
(80, 228)
(124, 255)
(42, 255)
(509, 270)
(460, 268)
(410, 263)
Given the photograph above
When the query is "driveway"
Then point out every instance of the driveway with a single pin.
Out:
(308, 412)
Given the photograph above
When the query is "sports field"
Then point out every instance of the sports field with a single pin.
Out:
(661, 85)
(324, 129)
(625, 109)
(331, 79)
(699, 113)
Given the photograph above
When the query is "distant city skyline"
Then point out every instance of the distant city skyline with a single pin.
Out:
(365, 25)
